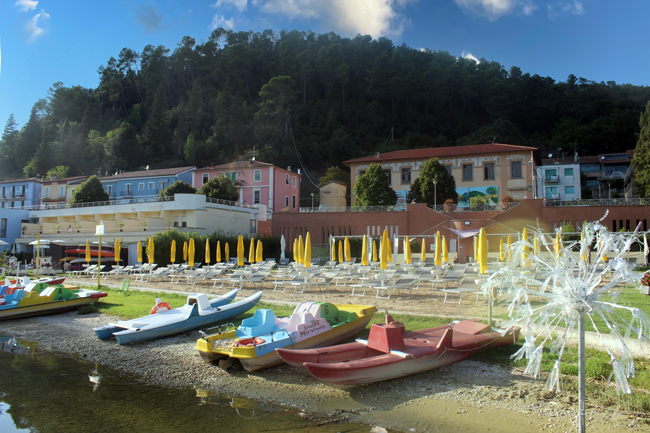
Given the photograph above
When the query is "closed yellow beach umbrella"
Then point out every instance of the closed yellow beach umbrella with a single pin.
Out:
(483, 251)
(307, 256)
(333, 252)
(389, 249)
(438, 257)
(558, 244)
(423, 253)
(348, 256)
(251, 251)
(295, 250)
(117, 249)
(508, 248)
(88, 257)
(375, 257)
(364, 251)
(172, 251)
(383, 261)
(207, 251)
(139, 248)
(524, 250)
(407, 251)
(218, 251)
(341, 258)
(150, 250)
(240, 251)
(476, 254)
(226, 252)
(259, 251)
(445, 251)
(185, 251)
(502, 255)
(301, 250)
(190, 253)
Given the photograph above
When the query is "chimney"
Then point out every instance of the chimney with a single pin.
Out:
(298, 171)
(289, 168)
(377, 155)
(212, 165)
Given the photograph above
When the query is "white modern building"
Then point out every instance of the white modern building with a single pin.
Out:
(558, 182)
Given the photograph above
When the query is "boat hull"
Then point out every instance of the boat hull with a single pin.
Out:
(48, 308)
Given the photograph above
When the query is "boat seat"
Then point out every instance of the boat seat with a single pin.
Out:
(4, 290)
(201, 299)
(471, 328)
(262, 322)
(297, 319)
(386, 338)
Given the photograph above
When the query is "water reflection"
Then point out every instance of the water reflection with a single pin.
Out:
(45, 392)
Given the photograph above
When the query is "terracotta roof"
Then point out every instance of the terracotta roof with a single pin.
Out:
(442, 152)
(149, 173)
(242, 164)
(27, 179)
(65, 179)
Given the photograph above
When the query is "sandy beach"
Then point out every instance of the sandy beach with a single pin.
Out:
(466, 396)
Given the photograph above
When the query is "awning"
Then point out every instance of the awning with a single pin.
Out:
(466, 233)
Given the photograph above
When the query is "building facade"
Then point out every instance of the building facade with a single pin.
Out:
(55, 191)
(558, 182)
(20, 193)
(144, 184)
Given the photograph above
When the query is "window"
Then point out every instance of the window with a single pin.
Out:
(388, 178)
(468, 174)
(293, 202)
(127, 189)
(175, 221)
(568, 189)
(163, 185)
(61, 191)
(46, 192)
(286, 179)
(406, 175)
(257, 176)
(293, 181)
(256, 196)
(549, 174)
(109, 190)
(568, 172)
(2, 191)
(362, 172)
(205, 178)
(20, 190)
(141, 186)
(286, 201)
(3, 228)
(489, 170)
(515, 170)
(184, 221)
(551, 192)
(151, 185)
(448, 167)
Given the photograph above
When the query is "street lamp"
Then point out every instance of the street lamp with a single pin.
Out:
(435, 193)
(312, 200)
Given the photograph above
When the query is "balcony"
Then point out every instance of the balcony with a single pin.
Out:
(551, 179)
(127, 193)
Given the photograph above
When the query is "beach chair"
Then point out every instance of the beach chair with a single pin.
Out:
(404, 282)
(467, 285)
(124, 290)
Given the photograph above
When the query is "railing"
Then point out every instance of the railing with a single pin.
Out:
(354, 209)
(475, 207)
(600, 202)
(229, 203)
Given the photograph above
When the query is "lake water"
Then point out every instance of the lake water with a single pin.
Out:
(42, 391)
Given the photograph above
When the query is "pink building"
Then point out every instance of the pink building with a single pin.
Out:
(257, 183)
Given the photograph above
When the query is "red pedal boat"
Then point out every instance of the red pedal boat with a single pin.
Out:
(390, 353)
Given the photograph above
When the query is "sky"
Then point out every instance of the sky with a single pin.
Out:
(47, 41)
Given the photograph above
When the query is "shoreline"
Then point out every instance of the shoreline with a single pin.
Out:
(469, 395)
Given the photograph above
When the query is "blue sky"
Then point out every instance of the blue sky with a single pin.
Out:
(45, 41)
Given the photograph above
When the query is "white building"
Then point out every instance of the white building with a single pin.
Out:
(558, 182)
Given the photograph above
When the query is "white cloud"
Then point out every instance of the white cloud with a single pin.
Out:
(349, 17)
(221, 21)
(240, 5)
(26, 5)
(32, 27)
(494, 9)
(470, 56)
(571, 7)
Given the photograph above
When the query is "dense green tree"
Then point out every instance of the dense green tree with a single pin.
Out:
(641, 160)
(8, 149)
(272, 119)
(178, 187)
(58, 172)
(372, 189)
(89, 191)
(156, 138)
(423, 188)
(220, 187)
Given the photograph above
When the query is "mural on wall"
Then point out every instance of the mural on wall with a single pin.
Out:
(488, 195)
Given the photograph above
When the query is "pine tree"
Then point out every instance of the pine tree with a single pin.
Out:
(641, 160)
(8, 148)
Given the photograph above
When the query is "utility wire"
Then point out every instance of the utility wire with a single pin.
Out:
(302, 164)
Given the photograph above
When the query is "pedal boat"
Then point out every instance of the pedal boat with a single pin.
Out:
(390, 353)
(312, 324)
(198, 312)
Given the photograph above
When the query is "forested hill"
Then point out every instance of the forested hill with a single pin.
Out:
(306, 99)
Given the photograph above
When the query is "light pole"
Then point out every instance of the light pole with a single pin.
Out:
(312, 200)
(435, 193)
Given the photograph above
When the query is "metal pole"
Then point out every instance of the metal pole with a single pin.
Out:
(581, 373)
(38, 255)
(99, 263)
(435, 194)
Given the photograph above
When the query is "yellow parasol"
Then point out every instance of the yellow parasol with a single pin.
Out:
(306, 260)
(88, 250)
(557, 243)
(364, 251)
(190, 253)
(207, 251)
(348, 256)
(445, 251)
(333, 248)
(483, 251)
(389, 251)
(502, 255)
(508, 248)
(524, 250)
(341, 258)
(117, 250)
(301, 250)
(251, 251)
(438, 258)
(476, 259)
(218, 251)
(423, 253)
(150, 250)
(172, 251)
(374, 251)
(407, 251)
(226, 252)
(240, 251)
(259, 252)
(383, 261)
(185, 251)
(139, 248)
(295, 250)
